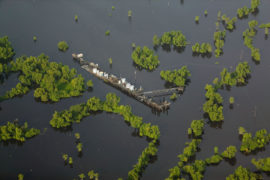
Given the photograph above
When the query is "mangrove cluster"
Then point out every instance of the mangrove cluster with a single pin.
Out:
(228, 22)
(63, 45)
(173, 38)
(51, 81)
(248, 35)
(262, 164)
(145, 58)
(249, 143)
(204, 48)
(213, 106)
(219, 37)
(13, 131)
(177, 77)
(243, 173)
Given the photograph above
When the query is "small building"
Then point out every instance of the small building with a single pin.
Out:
(95, 70)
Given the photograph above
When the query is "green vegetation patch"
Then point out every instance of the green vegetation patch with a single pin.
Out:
(196, 127)
(243, 173)
(213, 106)
(175, 38)
(229, 152)
(51, 81)
(6, 50)
(62, 46)
(229, 23)
(248, 35)
(243, 12)
(250, 144)
(13, 131)
(204, 48)
(145, 58)
(262, 164)
(177, 77)
(111, 104)
(219, 37)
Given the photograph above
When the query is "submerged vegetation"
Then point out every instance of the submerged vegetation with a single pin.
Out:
(145, 58)
(177, 77)
(13, 131)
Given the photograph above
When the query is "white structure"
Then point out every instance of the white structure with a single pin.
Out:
(123, 80)
(80, 55)
(95, 70)
(128, 85)
(131, 88)
(106, 75)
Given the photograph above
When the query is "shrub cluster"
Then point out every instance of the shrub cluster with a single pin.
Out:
(177, 77)
(145, 58)
(51, 81)
(248, 35)
(204, 48)
(13, 131)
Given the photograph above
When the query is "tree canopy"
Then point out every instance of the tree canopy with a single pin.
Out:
(51, 81)
(248, 36)
(197, 127)
(145, 58)
(249, 143)
(13, 131)
(175, 38)
(262, 164)
(204, 48)
(62, 46)
(242, 173)
(219, 37)
(177, 77)
(6, 50)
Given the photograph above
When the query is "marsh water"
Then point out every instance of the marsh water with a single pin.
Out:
(110, 146)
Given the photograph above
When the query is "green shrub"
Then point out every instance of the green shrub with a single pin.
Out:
(62, 46)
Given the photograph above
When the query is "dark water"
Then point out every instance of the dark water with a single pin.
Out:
(109, 146)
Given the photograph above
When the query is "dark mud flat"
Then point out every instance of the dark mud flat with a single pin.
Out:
(110, 146)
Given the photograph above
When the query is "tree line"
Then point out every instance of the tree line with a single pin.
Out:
(172, 38)
(248, 36)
